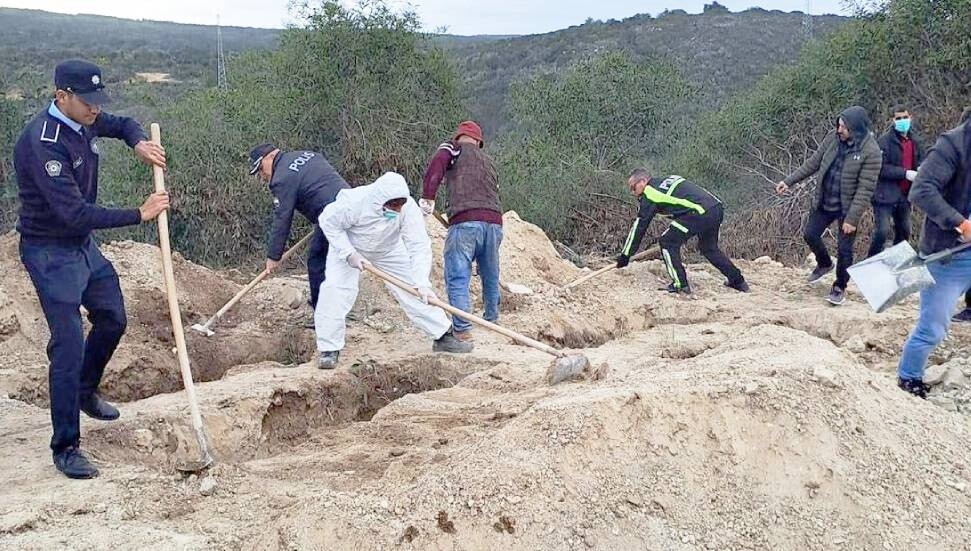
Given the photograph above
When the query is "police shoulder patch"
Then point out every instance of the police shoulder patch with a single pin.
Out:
(53, 168)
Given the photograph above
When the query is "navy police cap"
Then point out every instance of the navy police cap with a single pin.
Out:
(82, 78)
(256, 156)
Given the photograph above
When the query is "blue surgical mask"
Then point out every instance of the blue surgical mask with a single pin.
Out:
(902, 125)
(389, 214)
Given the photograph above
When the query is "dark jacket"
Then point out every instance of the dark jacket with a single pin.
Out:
(943, 189)
(302, 181)
(57, 177)
(888, 190)
(861, 167)
(672, 197)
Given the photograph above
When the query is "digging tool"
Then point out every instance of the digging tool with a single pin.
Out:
(168, 273)
(886, 278)
(564, 367)
(605, 269)
(206, 328)
(514, 288)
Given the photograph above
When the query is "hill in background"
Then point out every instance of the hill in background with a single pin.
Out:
(719, 51)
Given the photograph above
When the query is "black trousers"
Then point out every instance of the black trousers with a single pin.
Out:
(883, 215)
(819, 220)
(706, 226)
(317, 263)
(67, 277)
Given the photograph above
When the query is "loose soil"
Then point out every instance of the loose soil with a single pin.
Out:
(767, 420)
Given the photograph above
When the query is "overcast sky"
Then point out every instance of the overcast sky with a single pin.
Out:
(458, 16)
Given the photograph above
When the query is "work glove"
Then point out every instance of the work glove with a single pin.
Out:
(622, 260)
(965, 230)
(357, 261)
(426, 294)
(427, 205)
(911, 175)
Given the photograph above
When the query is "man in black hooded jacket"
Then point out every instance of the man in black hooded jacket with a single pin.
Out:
(846, 166)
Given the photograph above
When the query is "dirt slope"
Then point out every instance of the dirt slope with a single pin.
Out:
(724, 421)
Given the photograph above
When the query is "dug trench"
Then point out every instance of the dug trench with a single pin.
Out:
(144, 365)
(270, 410)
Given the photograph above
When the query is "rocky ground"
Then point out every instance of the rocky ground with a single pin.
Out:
(722, 421)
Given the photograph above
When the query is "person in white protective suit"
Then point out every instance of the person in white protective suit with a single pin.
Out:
(377, 224)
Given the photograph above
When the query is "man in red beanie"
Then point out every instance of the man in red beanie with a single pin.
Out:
(474, 217)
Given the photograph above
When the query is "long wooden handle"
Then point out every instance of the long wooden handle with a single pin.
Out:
(168, 272)
(606, 269)
(471, 318)
(256, 281)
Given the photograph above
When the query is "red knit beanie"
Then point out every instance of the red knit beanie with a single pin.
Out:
(470, 129)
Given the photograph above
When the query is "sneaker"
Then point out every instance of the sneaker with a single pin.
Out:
(913, 386)
(671, 288)
(74, 464)
(963, 315)
(328, 360)
(818, 273)
(448, 343)
(741, 285)
(96, 408)
(836, 296)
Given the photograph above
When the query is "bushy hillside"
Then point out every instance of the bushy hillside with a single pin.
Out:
(718, 51)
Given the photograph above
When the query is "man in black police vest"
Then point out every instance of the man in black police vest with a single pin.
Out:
(56, 161)
(301, 181)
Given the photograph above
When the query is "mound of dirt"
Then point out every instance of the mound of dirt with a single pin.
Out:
(144, 364)
(767, 420)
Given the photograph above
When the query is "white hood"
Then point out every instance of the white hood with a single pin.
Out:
(355, 222)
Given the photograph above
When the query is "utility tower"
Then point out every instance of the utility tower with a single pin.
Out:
(807, 22)
(220, 58)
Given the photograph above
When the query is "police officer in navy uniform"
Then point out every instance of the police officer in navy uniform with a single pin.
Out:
(301, 181)
(56, 162)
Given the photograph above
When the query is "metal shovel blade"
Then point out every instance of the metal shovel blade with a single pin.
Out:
(203, 329)
(517, 288)
(885, 279)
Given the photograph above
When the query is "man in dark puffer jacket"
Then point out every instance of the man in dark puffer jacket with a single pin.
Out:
(846, 166)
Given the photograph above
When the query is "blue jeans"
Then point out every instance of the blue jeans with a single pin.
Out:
(67, 277)
(936, 304)
(468, 241)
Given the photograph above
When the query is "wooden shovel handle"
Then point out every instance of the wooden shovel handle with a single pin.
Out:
(605, 269)
(168, 273)
(256, 281)
(471, 318)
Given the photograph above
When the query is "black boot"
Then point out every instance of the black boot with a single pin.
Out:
(913, 386)
(96, 408)
(448, 343)
(741, 286)
(328, 360)
(671, 288)
(74, 464)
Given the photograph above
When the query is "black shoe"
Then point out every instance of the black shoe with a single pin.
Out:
(673, 289)
(818, 273)
(328, 360)
(963, 315)
(741, 286)
(913, 386)
(96, 408)
(448, 343)
(73, 464)
(836, 296)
